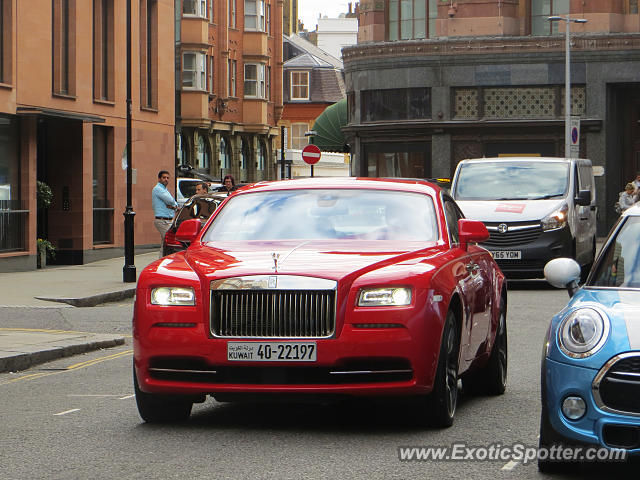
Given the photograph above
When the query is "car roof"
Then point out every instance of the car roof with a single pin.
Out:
(524, 158)
(411, 185)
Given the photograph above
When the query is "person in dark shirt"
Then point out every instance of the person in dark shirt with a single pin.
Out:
(229, 184)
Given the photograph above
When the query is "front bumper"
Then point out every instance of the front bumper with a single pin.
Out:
(535, 251)
(357, 361)
(596, 427)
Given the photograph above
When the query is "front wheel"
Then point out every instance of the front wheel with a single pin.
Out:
(443, 400)
(156, 408)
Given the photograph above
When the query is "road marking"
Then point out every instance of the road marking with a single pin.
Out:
(127, 397)
(509, 465)
(68, 411)
(100, 395)
(76, 366)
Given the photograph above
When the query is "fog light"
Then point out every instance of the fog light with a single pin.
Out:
(574, 408)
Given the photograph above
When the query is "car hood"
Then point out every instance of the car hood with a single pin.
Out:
(508, 210)
(323, 259)
(622, 307)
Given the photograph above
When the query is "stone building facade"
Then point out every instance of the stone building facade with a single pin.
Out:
(452, 80)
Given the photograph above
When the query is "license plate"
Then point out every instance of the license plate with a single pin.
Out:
(271, 351)
(507, 254)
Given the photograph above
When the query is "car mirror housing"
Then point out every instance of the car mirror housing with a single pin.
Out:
(471, 231)
(563, 273)
(188, 230)
(583, 198)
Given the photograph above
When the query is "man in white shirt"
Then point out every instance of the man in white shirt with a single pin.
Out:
(164, 206)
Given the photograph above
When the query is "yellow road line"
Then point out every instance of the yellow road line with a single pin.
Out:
(75, 366)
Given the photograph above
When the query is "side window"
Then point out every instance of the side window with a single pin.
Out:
(452, 214)
(585, 178)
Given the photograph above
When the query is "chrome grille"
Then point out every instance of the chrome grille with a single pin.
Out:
(515, 236)
(267, 307)
(617, 385)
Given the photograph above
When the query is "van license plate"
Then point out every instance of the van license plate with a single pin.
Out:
(271, 351)
(507, 254)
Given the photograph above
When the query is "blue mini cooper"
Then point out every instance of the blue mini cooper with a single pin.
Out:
(591, 359)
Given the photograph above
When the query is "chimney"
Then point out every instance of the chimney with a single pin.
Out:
(349, 8)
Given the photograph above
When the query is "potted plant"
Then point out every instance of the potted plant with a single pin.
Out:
(45, 249)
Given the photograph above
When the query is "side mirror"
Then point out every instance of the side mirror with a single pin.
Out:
(563, 273)
(188, 230)
(471, 231)
(583, 198)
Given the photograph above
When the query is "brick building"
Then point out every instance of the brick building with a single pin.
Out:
(63, 122)
(437, 82)
(230, 87)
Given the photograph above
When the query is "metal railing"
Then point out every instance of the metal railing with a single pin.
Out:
(13, 226)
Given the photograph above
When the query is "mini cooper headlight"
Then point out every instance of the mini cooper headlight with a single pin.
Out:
(386, 296)
(173, 296)
(583, 332)
(556, 219)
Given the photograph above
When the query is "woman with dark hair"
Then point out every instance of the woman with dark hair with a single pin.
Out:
(229, 184)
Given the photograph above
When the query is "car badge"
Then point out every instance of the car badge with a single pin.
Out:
(503, 228)
(273, 281)
(275, 257)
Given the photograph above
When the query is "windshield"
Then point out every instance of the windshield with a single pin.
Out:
(517, 180)
(620, 263)
(354, 214)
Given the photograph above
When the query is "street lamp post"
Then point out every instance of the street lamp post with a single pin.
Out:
(567, 78)
(129, 269)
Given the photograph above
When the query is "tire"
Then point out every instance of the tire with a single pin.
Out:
(548, 438)
(443, 399)
(156, 408)
(492, 378)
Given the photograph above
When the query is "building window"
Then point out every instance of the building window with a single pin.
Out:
(254, 15)
(262, 155)
(245, 154)
(102, 206)
(103, 54)
(268, 18)
(64, 46)
(633, 7)
(268, 86)
(298, 139)
(541, 10)
(254, 80)
(13, 217)
(194, 68)
(6, 27)
(210, 75)
(195, 7)
(299, 85)
(149, 53)
(351, 107)
(231, 8)
(396, 104)
(203, 159)
(224, 154)
(410, 19)
(232, 66)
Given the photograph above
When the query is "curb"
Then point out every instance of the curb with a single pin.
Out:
(93, 300)
(24, 361)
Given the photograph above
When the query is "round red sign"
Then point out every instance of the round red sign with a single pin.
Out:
(311, 154)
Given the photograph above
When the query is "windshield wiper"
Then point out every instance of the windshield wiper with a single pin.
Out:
(546, 197)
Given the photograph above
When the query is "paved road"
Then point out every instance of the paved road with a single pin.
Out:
(76, 418)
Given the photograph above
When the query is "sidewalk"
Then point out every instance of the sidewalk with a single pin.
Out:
(64, 286)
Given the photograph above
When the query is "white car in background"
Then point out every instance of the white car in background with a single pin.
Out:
(186, 188)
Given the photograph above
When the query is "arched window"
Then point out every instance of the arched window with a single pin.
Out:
(262, 155)
(203, 159)
(245, 154)
(224, 156)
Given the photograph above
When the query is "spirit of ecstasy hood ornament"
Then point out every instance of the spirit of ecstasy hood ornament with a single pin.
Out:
(275, 257)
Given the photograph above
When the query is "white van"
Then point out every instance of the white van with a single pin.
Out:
(535, 209)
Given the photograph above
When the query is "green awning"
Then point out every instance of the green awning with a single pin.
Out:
(329, 137)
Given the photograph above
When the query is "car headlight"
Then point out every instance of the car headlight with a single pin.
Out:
(173, 296)
(556, 219)
(385, 296)
(583, 332)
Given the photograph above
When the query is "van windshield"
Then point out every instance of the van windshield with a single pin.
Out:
(517, 180)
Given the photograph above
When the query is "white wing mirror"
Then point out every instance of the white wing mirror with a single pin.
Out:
(563, 273)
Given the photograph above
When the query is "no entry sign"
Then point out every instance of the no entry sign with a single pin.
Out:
(311, 154)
